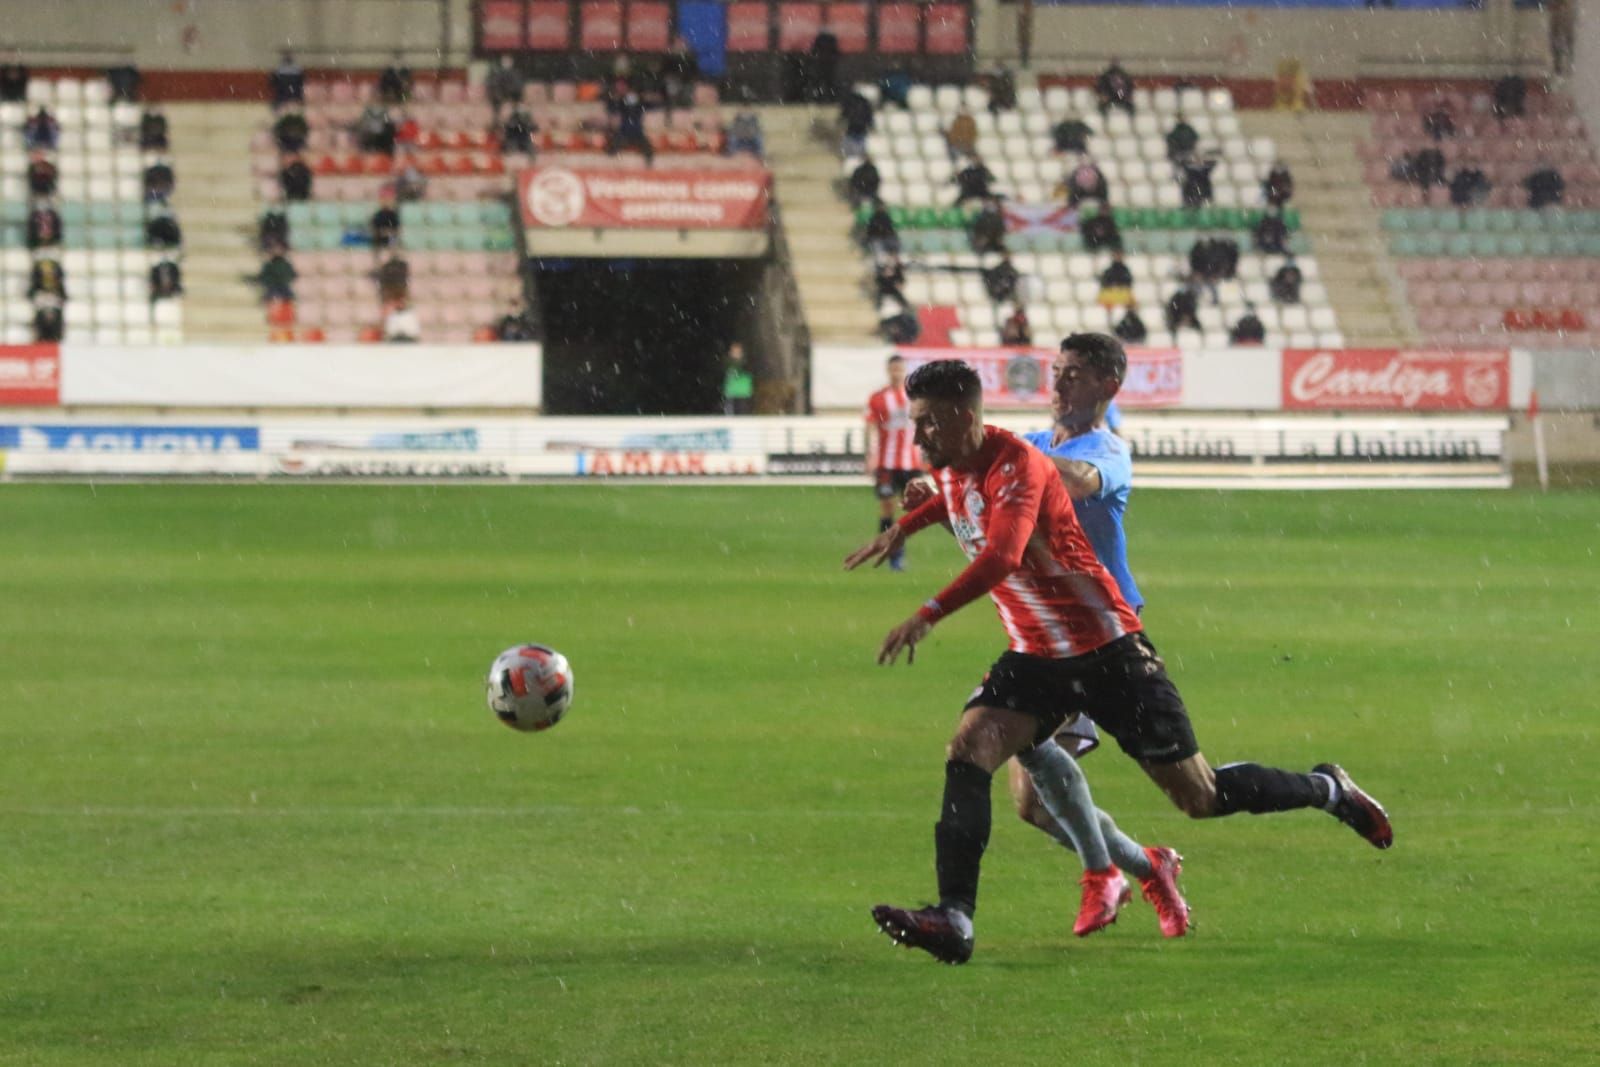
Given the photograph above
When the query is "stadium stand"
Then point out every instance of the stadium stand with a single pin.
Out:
(458, 236)
(1061, 291)
(1491, 269)
(100, 253)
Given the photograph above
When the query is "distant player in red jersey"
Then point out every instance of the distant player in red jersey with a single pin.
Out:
(891, 450)
(1076, 648)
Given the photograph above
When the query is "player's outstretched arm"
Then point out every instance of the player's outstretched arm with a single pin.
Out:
(876, 550)
(920, 490)
(1081, 479)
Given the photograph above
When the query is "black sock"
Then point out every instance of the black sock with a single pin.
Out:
(961, 834)
(884, 524)
(1258, 790)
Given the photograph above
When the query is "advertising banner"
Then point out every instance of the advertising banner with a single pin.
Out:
(1390, 379)
(749, 27)
(30, 375)
(556, 197)
(1020, 377)
(110, 437)
(500, 25)
(549, 26)
(600, 25)
(649, 23)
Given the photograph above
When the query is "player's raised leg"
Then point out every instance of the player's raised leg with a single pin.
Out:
(984, 740)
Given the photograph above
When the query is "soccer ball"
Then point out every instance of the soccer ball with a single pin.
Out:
(530, 687)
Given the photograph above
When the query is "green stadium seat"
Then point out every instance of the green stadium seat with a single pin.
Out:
(1291, 218)
(922, 218)
(1485, 245)
(897, 215)
(1430, 244)
(1396, 220)
(1585, 221)
(1405, 244)
(1300, 243)
(1589, 244)
(1474, 221)
(863, 213)
(1443, 220)
(494, 213)
(11, 237)
(1566, 244)
(1458, 245)
(1512, 244)
(1529, 221)
(103, 237)
(1232, 218)
(130, 213)
(440, 213)
(358, 214)
(1538, 244)
(326, 214)
(1204, 218)
(101, 214)
(72, 215)
(1502, 221)
(299, 214)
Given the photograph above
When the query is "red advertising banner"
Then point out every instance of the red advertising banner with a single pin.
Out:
(1390, 379)
(849, 23)
(30, 375)
(897, 28)
(500, 25)
(549, 26)
(600, 23)
(947, 29)
(1020, 377)
(601, 198)
(749, 28)
(648, 22)
(798, 24)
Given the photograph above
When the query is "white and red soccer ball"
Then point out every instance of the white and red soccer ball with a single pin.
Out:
(530, 687)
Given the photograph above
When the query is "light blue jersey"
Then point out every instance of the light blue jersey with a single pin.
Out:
(1101, 514)
(1113, 416)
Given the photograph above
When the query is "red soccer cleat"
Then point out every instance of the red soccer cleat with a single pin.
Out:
(930, 929)
(1104, 894)
(1161, 890)
(1356, 809)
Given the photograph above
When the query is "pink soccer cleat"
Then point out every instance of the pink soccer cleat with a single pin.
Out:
(1104, 894)
(1161, 890)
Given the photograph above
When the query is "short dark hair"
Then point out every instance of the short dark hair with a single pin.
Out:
(1102, 352)
(896, 358)
(948, 380)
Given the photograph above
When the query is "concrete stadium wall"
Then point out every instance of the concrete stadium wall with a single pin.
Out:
(1248, 42)
(1584, 83)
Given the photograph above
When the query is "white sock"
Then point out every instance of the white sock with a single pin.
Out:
(961, 921)
(1333, 790)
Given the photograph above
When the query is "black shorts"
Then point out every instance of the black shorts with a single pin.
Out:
(890, 483)
(1123, 686)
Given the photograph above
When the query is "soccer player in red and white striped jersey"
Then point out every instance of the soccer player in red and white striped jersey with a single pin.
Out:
(891, 447)
(1076, 647)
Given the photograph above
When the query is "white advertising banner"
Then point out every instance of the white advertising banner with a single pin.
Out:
(301, 376)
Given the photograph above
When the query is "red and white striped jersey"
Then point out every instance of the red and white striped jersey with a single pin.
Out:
(1016, 524)
(889, 412)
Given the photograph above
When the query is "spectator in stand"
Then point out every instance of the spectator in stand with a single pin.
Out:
(125, 81)
(159, 182)
(1130, 329)
(1114, 88)
(394, 84)
(41, 132)
(973, 181)
(42, 175)
(1510, 97)
(161, 229)
(295, 179)
(1100, 231)
(824, 66)
(988, 228)
(407, 132)
(1183, 310)
(1195, 180)
(1116, 284)
(514, 325)
(1271, 234)
(1015, 332)
(1277, 188)
(503, 86)
(166, 280)
(880, 235)
(394, 280)
(738, 384)
(1249, 330)
(401, 324)
(1181, 140)
(1085, 182)
(277, 276)
(13, 83)
(153, 130)
(1427, 168)
(856, 117)
(628, 129)
(744, 135)
(44, 226)
(1002, 86)
(680, 73)
(291, 131)
(516, 136)
(961, 139)
(410, 183)
(1439, 123)
(273, 229)
(864, 183)
(895, 88)
(385, 225)
(47, 279)
(1000, 281)
(1285, 284)
(1469, 187)
(1545, 186)
(1072, 134)
(898, 323)
(48, 325)
(375, 129)
(889, 279)
(288, 82)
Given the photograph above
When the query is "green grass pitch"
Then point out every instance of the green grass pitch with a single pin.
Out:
(253, 809)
